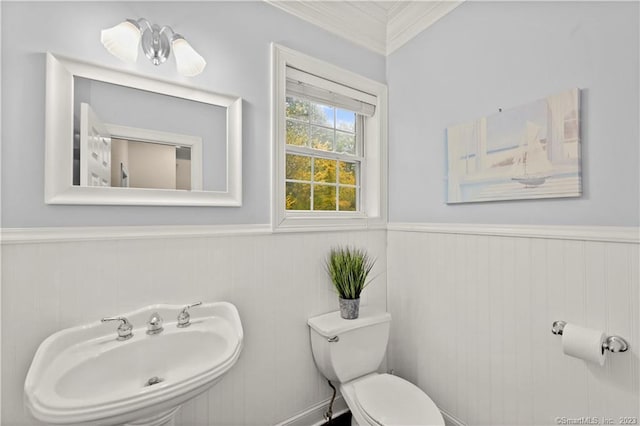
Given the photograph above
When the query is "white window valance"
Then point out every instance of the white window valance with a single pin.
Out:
(305, 85)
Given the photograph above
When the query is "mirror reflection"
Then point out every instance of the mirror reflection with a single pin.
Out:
(131, 138)
(137, 164)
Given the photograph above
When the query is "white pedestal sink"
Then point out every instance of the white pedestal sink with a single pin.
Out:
(83, 375)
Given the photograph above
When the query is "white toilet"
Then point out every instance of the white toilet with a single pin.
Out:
(349, 352)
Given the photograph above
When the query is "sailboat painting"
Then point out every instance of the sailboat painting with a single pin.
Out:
(528, 152)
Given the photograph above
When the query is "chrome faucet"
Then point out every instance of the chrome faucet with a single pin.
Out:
(184, 318)
(125, 329)
(154, 324)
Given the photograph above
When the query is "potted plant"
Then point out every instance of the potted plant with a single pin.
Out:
(348, 268)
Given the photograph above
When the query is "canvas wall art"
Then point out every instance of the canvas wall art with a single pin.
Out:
(530, 151)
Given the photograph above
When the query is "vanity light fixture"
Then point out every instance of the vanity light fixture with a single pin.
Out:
(122, 42)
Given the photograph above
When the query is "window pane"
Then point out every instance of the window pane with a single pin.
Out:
(322, 114)
(297, 133)
(298, 196)
(321, 138)
(298, 167)
(348, 173)
(324, 197)
(346, 142)
(327, 184)
(347, 199)
(345, 120)
(297, 108)
(324, 170)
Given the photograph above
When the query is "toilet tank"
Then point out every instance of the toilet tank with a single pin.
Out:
(346, 349)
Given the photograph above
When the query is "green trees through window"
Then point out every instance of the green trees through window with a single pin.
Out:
(322, 165)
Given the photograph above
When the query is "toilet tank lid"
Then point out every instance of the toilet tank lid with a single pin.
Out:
(332, 324)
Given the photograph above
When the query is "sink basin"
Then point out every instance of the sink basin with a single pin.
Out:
(83, 375)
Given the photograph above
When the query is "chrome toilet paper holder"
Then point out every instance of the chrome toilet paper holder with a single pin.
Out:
(611, 343)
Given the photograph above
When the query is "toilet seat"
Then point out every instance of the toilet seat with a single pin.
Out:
(389, 400)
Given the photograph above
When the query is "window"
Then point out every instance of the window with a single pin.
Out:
(323, 157)
(329, 144)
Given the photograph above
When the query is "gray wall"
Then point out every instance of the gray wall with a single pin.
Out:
(484, 56)
(234, 38)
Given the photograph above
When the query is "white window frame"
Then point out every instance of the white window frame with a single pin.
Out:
(373, 173)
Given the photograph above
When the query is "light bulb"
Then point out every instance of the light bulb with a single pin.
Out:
(122, 40)
(188, 61)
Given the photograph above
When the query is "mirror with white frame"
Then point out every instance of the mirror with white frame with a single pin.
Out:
(114, 137)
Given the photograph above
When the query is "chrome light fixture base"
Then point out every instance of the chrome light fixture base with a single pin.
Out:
(155, 44)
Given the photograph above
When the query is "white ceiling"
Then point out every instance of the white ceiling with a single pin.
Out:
(381, 26)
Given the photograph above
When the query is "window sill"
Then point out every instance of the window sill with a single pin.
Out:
(308, 223)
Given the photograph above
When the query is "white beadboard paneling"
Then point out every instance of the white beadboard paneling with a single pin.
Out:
(522, 311)
(557, 363)
(485, 304)
(276, 280)
(573, 281)
(595, 294)
(460, 332)
(471, 311)
(483, 351)
(540, 335)
(471, 404)
(497, 339)
(620, 309)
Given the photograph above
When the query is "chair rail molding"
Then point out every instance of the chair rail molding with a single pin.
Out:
(65, 234)
(618, 234)
(10, 236)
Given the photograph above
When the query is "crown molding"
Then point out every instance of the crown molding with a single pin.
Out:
(340, 18)
(415, 17)
(381, 29)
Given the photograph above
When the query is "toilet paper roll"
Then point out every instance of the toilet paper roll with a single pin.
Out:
(583, 343)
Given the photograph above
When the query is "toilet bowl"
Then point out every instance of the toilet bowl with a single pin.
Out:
(349, 352)
(384, 399)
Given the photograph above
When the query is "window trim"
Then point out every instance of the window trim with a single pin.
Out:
(373, 183)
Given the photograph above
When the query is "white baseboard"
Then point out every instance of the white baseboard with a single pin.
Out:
(450, 420)
(314, 416)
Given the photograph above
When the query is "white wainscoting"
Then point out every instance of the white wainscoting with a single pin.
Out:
(55, 280)
(472, 315)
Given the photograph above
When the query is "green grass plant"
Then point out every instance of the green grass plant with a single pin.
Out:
(349, 268)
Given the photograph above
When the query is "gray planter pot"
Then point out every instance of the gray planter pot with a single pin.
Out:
(349, 308)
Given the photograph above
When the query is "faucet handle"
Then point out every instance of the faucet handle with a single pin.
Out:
(154, 324)
(124, 329)
(184, 318)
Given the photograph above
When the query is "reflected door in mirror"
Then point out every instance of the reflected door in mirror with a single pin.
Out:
(95, 150)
